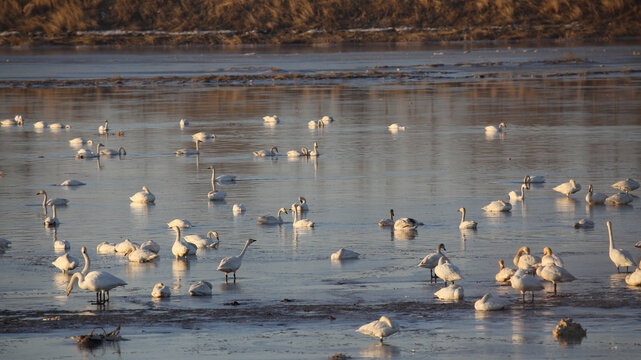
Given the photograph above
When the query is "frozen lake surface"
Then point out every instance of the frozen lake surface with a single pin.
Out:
(586, 127)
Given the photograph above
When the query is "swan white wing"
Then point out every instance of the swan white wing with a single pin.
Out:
(447, 271)
(229, 264)
(101, 280)
(634, 279)
(621, 257)
(452, 292)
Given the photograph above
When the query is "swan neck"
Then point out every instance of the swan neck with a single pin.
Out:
(44, 202)
(462, 216)
(76, 278)
(611, 236)
(85, 269)
(197, 146)
(244, 249)
(53, 207)
(213, 175)
(177, 229)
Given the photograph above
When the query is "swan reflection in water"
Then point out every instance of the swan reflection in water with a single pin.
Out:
(380, 351)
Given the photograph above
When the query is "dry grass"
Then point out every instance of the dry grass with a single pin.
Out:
(282, 21)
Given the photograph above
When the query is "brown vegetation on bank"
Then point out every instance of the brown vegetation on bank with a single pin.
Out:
(289, 21)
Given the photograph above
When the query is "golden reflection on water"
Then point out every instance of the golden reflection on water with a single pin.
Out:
(135, 269)
(380, 351)
(180, 268)
(566, 205)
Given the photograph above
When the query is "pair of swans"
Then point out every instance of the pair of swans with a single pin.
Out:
(271, 220)
(316, 124)
(430, 261)
(273, 151)
(553, 269)
(101, 282)
(88, 154)
(231, 264)
(568, 188)
(143, 197)
(16, 121)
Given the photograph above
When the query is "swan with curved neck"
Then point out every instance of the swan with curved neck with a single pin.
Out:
(214, 195)
(232, 263)
(300, 223)
(189, 151)
(99, 281)
(144, 196)
(495, 129)
(264, 153)
(387, 222)
(430, 261)
(204, 242)
(48, 202)
(470, 224)
(524, 260)
(619, 257)
(181, 248)
(111, 152)
(504, 273)
(514, 196)
(271, 220)
(303, 203)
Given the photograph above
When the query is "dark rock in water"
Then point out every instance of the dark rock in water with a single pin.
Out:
(569, 332)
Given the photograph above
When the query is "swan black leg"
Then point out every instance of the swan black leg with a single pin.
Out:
(225, 278)
(234, 276)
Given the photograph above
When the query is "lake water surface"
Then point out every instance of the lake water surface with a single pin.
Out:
(566, 119)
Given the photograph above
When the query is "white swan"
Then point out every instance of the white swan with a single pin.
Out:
(295, 153)
(201, 288)
(315, 124)
(626, 185)
(267, 153)
(634, 279)
(387, 222)
(60, 245)
(125, 247)
(451, 292)
(71, 182)
(470, 224)
(106, 248)
(271, 220)
(536, 179)
(314, 153)
(396, 127)
(498, 206)
(203, 136)
(103, 129)
(111, 152)
(568, 188)
(144, 197)
(491, 129)
(160, 290)
(430, 261)
(238, 209)
(525, 282)
(619, 199)
(66, 262)
(232, 263)
(88, 154)
(593, 198)
(150, 245)
(302, 202)
(447, 271)
(181, 248)
(406, 224)
(271, 120)
(300, 223)
(583, 223)
(619, 257)
(79, 141)
(490, 303)
(344, 254)
(327, 119)
(524, 260)
(99, 281)
(16, 121)
(55, 201)
(40, 125)
(183, 224)
(215, 195)
(381, 328)
(514, 196)
(550, 258)
(183, 123)
(140, 255)
(505, 273)
(187, 152)
(204, 242)
(52, 221)
(225, 179)
(555, 274)
(59, 126)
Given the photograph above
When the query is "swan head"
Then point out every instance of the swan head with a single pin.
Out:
(282, 210)
(84, 250)
(250, 241)
(526, 179)
(41, 192)
(387, 321)
(547, 251)
(589, 187)
(461, 210)
(211, 167)
(122, 149)
(304, 151)
(302, 200)
(145, 189)
(67, 126)
(572, 182)
(274, 149)
(214, 233)
(501, 263)
(502, 202)
(441, 246)
(502, 125)
(526, 250)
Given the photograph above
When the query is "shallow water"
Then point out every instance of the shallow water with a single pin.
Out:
(586, 128)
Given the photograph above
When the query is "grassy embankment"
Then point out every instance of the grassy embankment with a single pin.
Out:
(36, 22)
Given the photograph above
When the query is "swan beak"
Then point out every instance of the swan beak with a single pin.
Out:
(68, 292)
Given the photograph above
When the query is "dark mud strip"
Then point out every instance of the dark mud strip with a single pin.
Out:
(295, 78)
(155, 315)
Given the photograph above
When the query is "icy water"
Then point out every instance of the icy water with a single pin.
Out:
(565, 120)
